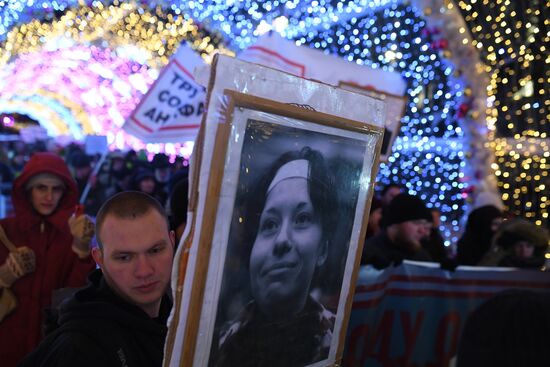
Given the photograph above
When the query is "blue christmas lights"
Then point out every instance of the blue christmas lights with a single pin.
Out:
(427, 157)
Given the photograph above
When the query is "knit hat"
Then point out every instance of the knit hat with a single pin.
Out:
(405, 207)
(519, 229)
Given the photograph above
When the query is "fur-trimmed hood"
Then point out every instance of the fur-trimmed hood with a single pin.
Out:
(44, 162)
(518, 229)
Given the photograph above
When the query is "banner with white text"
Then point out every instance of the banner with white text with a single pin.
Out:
(172, 109)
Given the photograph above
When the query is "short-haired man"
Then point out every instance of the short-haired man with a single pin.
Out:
(120, 318)
(407, 223)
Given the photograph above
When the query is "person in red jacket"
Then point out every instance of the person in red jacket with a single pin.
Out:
(48, 249)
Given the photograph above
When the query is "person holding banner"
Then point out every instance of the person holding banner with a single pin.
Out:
(291, 216)
(43, 248)
(119, 319)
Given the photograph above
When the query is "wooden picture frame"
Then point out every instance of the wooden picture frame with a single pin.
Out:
(251, 134)
(395, 108)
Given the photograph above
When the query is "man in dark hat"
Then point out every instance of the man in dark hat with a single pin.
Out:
(407, 222)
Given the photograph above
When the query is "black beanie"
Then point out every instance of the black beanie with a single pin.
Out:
(406, 207)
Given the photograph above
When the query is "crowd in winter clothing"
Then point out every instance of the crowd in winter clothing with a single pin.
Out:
(39, 252)
(155, 174)
(402, 227)
(49, 248)
(46, 253)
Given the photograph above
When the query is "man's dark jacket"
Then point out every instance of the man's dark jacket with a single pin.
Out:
(98, 328)
(380, 251)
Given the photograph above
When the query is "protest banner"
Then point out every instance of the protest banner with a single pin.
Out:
(95, 144)
(171, 111)
(274, 51)
(413, 314)
(32, 134)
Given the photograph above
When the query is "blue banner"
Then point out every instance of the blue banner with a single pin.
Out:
(413, 314)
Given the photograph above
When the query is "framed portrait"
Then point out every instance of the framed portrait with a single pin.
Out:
(287, 203)
(395, 108)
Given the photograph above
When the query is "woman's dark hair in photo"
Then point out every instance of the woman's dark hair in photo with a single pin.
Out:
(321, 187)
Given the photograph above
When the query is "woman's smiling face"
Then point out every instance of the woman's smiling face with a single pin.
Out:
(287, 249)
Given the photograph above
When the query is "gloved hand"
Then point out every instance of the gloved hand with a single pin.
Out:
(19, 263)
(82, 229)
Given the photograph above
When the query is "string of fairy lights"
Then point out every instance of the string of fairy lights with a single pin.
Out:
(239, 22)
(427, 158)
(431, 155)
(93, 64)
(513, 39)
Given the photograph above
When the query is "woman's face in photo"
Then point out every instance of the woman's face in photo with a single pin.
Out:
(287, 249)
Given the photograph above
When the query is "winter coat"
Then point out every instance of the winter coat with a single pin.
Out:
(380, 252)
(98, 328)
(57, 266)
(477, 237)
(510, 233)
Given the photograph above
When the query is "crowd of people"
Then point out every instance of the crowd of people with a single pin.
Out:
(119, 319)
(118, 171)
(114, 222)
(49, 251)
(402, 227)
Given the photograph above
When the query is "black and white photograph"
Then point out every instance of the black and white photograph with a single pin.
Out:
(332, 183)
(287, 248)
